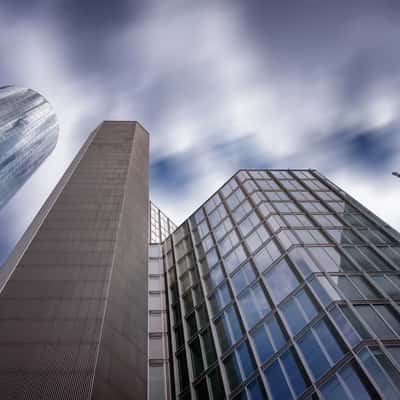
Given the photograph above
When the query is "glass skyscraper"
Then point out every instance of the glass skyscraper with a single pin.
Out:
(28, 134)
(282, 286)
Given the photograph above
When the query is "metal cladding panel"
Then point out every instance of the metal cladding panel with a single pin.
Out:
(52, 309)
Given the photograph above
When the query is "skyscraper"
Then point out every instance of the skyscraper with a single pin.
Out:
(28, 134)
(73, 309)
(280, 286)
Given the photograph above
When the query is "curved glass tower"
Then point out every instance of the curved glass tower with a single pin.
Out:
(28, 134)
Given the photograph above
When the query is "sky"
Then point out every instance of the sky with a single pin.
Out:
(220, 85)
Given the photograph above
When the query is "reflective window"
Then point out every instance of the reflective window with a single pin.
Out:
(228, 242)
(243, 277)
(249, 223)
(298, 311)
(239, 365)
(321, 348)
(234, 259)
(269, 338)
(281, 281)
(286, 377)
(220, 298)
(266, 256)
(257, 238)
(382, 319)
(389, 283)
(241, 211)
(228, 328)
(223, 228)
(345, 326)
(215, 277)
(382, 371)
(254, 304)
(330, 259)
(348, 383)
(235, 199)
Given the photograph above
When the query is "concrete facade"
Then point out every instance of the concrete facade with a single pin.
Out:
(73, 312)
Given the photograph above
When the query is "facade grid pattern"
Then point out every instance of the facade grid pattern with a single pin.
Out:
(283, 286)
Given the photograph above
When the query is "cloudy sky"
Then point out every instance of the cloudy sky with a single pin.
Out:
(220, 85)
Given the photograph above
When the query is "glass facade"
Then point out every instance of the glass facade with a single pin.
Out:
(28, 134)
(282, 286)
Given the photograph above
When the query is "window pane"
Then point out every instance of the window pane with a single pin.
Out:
(243, 277)
(314, 355)
(281, 281)
(253, 304)
(277, 382)
(378, 375)
(295, 372)
(196, 357)
(374, 321)
(245, 359)
(263, 344)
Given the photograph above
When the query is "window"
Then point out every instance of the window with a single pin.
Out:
(234, 259)
(239, 365)
(297, 220)
(381, 318)
(356, 287)
(330, 259)
(212, 203)
(310, 236)
(303, 261)
(197, 361)
(229, 242)
(208, 346)
(269, 338)
(243, 277)
(286, 377)
(229, 187)
(368, 259)
(235, 199)
(298, 311)
(344, 236)
(249, 223)
(286, 207)
(281, 281)
(253, 391)
(344, 326)
(321, 348)
(217, 215)
(314, 207)
(241, 211)
(257, 238)
(215, 277)
(348, 384)
(266, 256)
(223, 228)
(220, 298)
(228, 328)
(382, 371)
(324, 290)
(254, 304)
(389, 283)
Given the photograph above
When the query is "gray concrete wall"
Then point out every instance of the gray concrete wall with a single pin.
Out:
(69, 304)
